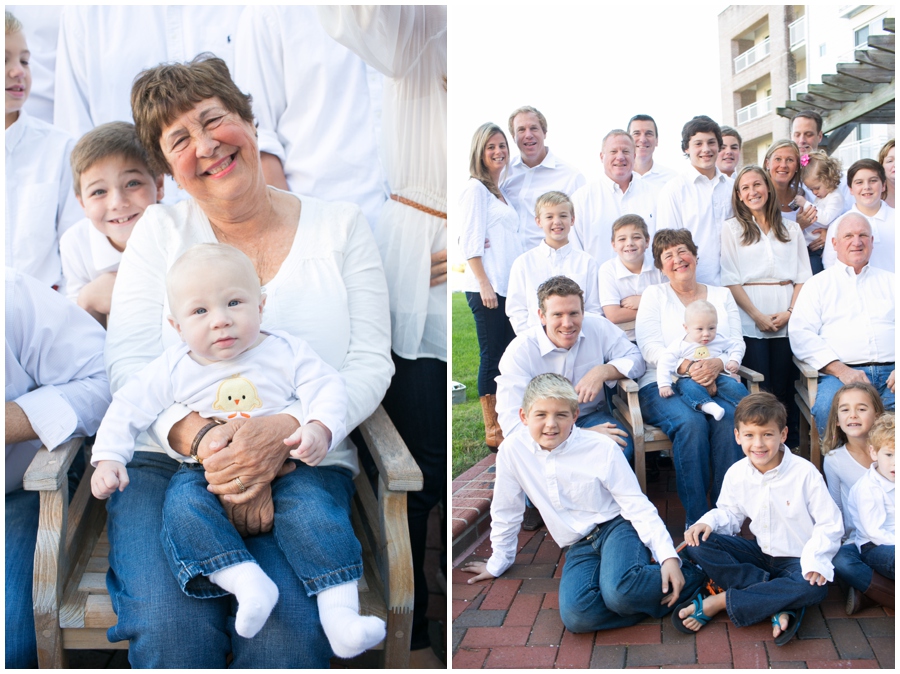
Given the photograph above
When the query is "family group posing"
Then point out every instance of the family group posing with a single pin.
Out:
(250, 330)
(678, 280)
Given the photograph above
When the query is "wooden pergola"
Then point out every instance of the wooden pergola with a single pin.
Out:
(861, 92)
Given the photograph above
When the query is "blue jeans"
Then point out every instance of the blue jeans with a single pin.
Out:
(610, 582)
(829, 386)
(21, 535)
(850, 568)
(703, 449)
(815, 260)
(155, 615)
(494, 333)
(601, 415)
(695, 395)
(757, 585)
(880, 558)
(312, 529)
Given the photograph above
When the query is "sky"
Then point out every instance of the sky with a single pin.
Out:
(587, 68)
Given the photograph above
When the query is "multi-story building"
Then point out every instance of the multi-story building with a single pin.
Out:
(771, 53)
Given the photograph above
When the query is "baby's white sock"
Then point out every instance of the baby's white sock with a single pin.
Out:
(714, 410)
(255, 592)
(348, 632)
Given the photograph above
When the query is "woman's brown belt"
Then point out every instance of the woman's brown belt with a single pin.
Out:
(419, 207)
(770, 283)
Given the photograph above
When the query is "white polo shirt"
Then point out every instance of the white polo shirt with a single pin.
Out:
(656, 178)
(86, 254)
(618, 282)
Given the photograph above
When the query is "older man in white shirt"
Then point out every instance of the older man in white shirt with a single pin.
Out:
(56, 388)
(643, 131)
(616, 193)
(535, 171)
(699, 198)
(843, 321)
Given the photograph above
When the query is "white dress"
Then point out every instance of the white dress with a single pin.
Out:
(409, 45)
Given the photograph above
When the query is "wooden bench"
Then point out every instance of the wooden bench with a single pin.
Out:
(806, 387)
(72, 608)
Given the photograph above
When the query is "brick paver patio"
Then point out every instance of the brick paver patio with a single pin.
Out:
(513, 621)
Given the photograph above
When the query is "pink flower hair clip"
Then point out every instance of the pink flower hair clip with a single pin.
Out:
(804, 160)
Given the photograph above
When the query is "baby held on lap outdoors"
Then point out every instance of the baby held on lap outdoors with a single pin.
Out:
(228, 368)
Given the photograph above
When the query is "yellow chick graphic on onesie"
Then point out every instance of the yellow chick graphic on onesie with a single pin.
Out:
(237, 395)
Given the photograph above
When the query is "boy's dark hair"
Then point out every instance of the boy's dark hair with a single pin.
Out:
(699, 124)
(642, 118)
(760, 409)
(870, 164)
(809, 114)
(631, 219)
(728, 131)
(558, 285)
(114, 139)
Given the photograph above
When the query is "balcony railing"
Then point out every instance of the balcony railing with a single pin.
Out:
(867, 148)
(751, 56)
(797, 31)
(754, 110)
(800, 87)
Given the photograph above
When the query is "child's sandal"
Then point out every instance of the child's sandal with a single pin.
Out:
(697, 615)
(793, 625)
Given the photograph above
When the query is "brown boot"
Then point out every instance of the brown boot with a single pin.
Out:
(881, 590)
(493, 435)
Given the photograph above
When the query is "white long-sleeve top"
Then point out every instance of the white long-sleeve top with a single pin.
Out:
(694, 202)
(329, 291)
(54, 369)
(584, 482)
(323, 135)
(408, 44)
(871, 506)
(525, 184)
(532, 353)
(599, 204)
(534, 267)
(883, 238)
(828, 208)
(617, 282)
(790, 511)
(86, 253)
(842, 471)
(40, 203)
(765, 261)
(661, 315)
(484, 216)
(680, 350)
(656, 178)
(262, 381)
(844, 316)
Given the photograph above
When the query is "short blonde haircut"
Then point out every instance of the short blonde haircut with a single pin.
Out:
(698, 307)
(553, 198)
(634, 220)
(13, 25)
(524, 110)
(549, 386)
(220, 254)
(113, 139)
(882, 432)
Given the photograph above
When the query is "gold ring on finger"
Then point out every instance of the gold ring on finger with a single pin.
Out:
(240, 484)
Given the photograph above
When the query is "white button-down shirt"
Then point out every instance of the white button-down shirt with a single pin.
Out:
(844, 316)
(525, 184)
(40, 203)
(765, 261)
(584, 482)
(790, 511)
(324, 135)
(86, 254)
(600, 204)
(484, 216)
(618, 282)
(679, 350)
(871, 506)
(537, 265)
(656, 178)
(54, 369)
(532, 353)
(694, 202)
(883, 238)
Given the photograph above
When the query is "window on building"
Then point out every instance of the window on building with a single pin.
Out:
(823, 48)
(861, 37)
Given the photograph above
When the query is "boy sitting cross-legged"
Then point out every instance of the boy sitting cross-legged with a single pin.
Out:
(591, 501)
(797, 526)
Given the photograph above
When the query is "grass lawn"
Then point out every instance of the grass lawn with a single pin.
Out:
(468, 424)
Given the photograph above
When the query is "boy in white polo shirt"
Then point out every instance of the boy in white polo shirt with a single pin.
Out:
(555, 256)
(591, 502)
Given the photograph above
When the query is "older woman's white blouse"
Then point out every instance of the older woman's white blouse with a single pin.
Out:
(330, 291)
(660, 319)
(408, 44)
(484, 216)
(765, 261)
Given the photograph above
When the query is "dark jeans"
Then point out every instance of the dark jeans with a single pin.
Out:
(815, 261)
(494, 335)
(773, 359)
(880, 558)
(757, 585)
(696, 396)
(417, 404)
(850, 568)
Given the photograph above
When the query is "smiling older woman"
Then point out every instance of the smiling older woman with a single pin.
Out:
(322, 282)
(703, 448)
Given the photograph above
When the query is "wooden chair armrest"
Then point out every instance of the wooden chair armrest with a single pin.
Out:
(397, 468)
(48, 470)
(751, 378)
(806, 370)
(626, 385)
(627, 405)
